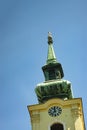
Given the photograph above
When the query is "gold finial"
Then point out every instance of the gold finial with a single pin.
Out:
(50, 40)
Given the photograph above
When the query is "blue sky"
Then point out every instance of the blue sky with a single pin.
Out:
(24, 25)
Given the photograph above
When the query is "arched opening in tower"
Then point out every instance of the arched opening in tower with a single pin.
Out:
(57, 126)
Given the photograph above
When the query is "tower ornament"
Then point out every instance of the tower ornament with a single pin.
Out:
(50, 40)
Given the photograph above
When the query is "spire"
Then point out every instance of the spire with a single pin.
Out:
(53, 69)
(51, 58)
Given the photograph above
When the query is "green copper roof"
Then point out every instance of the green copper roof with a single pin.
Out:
(51, 58)
(52, 69)
(53, 89)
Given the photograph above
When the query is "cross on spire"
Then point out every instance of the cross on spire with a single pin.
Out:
(50, 40)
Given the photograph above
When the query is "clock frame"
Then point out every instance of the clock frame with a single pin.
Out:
(54, 111)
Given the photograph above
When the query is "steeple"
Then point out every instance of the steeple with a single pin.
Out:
(54, 86)
(57, 109)
(52, 70)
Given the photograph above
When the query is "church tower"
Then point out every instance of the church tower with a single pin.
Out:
(57, 109)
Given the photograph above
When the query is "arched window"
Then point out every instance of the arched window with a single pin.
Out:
(57, 126)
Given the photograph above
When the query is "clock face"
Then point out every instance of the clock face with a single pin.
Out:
(55, 111)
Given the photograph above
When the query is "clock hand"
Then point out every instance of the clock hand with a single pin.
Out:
(54, 109)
